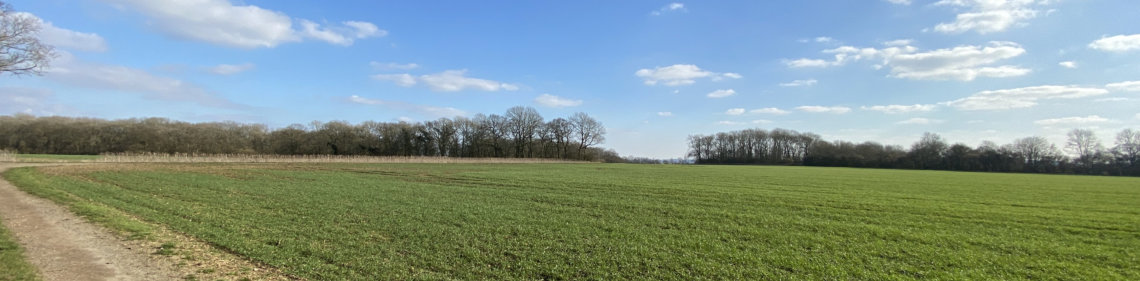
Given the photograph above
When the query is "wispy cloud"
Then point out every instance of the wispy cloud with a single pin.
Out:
(824, 109)
(447, 81)
(919, 121)
(897, 109)
(1076, 120)
(66, 38)
(549, 100)
(964, 63)
(668, 8)
(1021, 97)
(429, 111)
(799, 83)
(231, 69)
(223, 23)
(680, 74)
(988, 16)
(721, 93)
(69, 70)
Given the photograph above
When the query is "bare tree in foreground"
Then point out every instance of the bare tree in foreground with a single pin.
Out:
(21, 51)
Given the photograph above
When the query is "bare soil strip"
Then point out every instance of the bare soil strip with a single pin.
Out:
(63, 246)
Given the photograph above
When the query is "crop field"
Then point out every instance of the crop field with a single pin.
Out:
(610, 221)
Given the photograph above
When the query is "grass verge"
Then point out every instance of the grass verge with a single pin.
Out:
(13, 266)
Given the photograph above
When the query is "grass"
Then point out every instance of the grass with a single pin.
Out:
(608, 221)
(13, 266)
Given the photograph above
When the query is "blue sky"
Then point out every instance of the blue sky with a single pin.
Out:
(653, 72)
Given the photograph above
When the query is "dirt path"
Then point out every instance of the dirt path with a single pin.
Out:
(65, 247)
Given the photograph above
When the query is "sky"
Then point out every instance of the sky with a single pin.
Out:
(653, 72)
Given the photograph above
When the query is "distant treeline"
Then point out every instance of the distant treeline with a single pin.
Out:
(520, 133)
(1030, 154)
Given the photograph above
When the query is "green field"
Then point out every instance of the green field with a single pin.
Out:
(613, 221)
(13, 266)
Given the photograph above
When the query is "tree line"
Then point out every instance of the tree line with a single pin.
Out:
(1030, 154)
(519, 133)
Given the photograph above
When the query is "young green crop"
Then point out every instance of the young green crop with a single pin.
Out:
(607, 221)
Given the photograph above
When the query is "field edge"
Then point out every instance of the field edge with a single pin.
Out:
(197, 259)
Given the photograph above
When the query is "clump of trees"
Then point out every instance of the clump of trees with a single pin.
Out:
(1030, 155)
(520, 133)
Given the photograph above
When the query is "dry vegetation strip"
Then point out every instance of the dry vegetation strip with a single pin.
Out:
(605, 222)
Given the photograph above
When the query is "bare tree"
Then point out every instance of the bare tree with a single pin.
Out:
(523, 123)
(1128, 146)
(1032, 148)
(1085, 144)
(21, 51)
(588, 131)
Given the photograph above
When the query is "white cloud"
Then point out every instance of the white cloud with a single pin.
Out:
(1021, 97)
(919, 121)
(1091, 119)
(987, 16)
(429, 111)
(447, 81)
(454, 80)
(665, 114)
(221, 22)
(824, 109)
(729, 75)
(769, 110)
(404, 80)
(1137, 116)
(721, 93)
(680, 74)
(761, 122)
(824, 39)
(900, 2)
(66, 69)
(726, 122)
(1118, 43)
(896, 109)
(29, 100)
(556, 101)
(804, 63)
(734, 111)
(799, 83)
(365, 29)
(671, 7)
(898, 43)
(964, 63)
(1068, 64)
(230, 69)
(66, 38)
(1116, 99)
(393, 66)
(1129, 86)
(343, 36)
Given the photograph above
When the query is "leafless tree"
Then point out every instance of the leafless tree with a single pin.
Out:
(1085, 144)
(21, 51)
(1128, 146)
(523, 124)
(589, 132)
